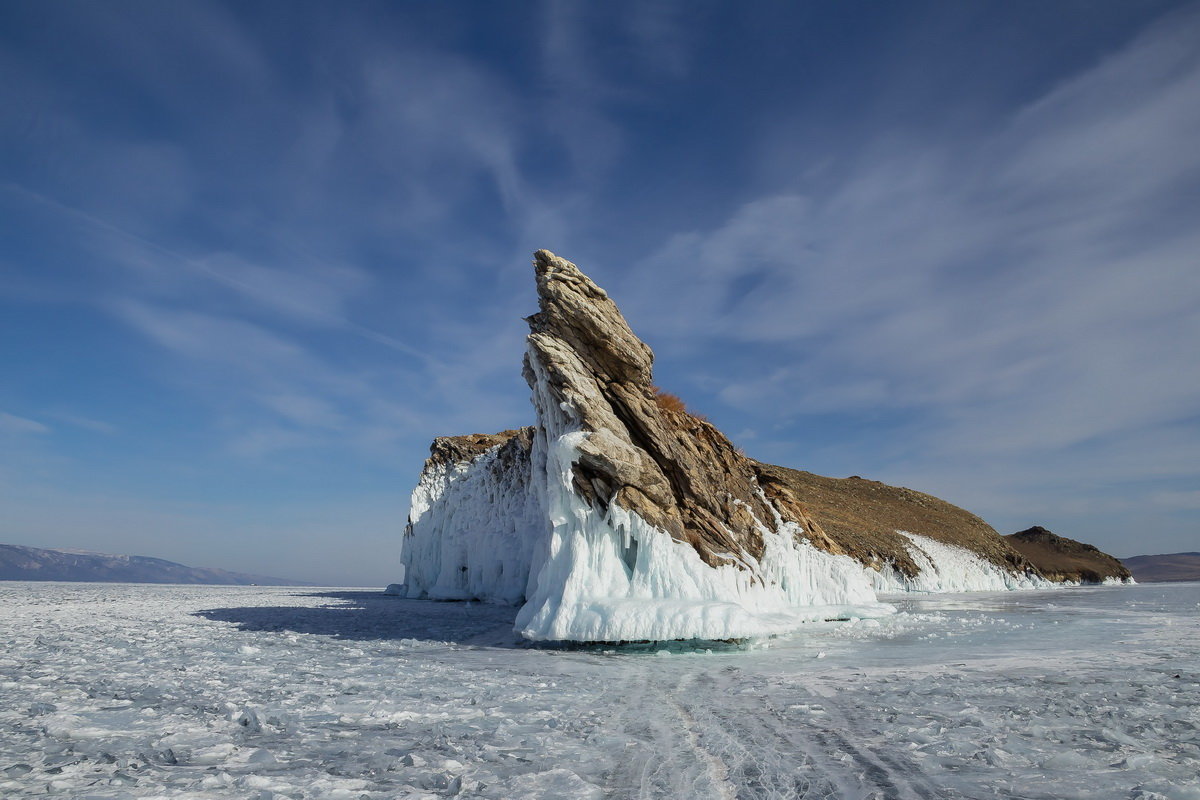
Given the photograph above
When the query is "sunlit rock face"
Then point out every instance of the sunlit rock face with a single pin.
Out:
(1066, 560)
(620, 516)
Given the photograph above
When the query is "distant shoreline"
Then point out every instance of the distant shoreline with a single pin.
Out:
(23, 563)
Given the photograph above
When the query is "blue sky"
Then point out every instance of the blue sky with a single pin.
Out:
(256, 255)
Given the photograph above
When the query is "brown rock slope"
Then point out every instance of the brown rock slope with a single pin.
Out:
(684, 476)
(1063, 559)
(860, 517)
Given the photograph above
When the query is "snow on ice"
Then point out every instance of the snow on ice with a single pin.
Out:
(137, 691)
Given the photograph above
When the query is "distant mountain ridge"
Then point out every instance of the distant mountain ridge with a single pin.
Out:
(20, 563)
(1165, 567)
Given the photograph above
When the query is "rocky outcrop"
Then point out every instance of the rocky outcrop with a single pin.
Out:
(621, 516)
(676, 471)
(475, 519)
(464, 449)
(1066, 560)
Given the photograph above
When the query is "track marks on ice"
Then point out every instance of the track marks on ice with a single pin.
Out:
(830, 738)
(716, 768)
(717, 733)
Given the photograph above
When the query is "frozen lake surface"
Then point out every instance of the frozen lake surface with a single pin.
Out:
(128, 691)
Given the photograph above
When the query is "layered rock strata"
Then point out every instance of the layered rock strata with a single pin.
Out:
(622, 517)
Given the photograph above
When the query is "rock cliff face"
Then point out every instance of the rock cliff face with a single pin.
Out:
(1063, 559)
(620, 516)
(675, 471)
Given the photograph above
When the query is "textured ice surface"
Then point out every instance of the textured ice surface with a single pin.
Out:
(125, 691)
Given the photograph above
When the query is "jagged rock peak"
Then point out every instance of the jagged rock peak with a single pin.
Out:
(673, 469)
(580, 313)
(680, 473)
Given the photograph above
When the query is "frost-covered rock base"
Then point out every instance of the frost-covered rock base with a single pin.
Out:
(946, 568)
(621, 517)
(479, 530)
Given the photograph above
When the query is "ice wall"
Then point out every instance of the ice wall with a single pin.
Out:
(472, 530)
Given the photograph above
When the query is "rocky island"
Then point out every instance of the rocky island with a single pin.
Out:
(620, 516)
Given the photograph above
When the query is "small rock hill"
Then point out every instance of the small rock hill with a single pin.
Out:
(1063, 559)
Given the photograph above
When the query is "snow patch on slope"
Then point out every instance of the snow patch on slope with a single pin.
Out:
(948, 568)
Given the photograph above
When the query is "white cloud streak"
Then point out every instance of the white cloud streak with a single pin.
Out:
(1031, 294)
(11, 423)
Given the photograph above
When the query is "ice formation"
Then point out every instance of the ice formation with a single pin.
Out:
(946, 568)
(614, 577)
(618, 518)
(473, 528)
(477, 531)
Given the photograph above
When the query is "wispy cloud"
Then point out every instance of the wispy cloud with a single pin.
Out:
(926, 280)
(278, 393)
(11, 423)
(82, 422)
(247, 244)
(245, 363)
(1011, 297)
